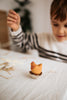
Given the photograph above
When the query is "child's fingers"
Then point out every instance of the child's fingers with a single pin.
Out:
(16, 15)
(12, 16)
(11, 19)
(9, 22)
(13, 12)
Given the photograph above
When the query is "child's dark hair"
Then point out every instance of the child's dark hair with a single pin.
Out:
(59, 10)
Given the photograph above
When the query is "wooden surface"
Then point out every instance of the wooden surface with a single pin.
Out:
(4, 38)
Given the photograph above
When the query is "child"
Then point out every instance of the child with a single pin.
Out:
(52, 46)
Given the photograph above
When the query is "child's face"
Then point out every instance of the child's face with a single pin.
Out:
(59, 29)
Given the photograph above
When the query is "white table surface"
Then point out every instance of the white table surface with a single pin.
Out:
(51, 85)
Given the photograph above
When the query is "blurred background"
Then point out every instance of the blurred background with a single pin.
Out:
(35, 13)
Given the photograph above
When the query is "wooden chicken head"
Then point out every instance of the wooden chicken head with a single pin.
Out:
(36, 69)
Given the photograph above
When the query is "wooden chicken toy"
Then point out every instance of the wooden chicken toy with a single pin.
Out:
(36, 70)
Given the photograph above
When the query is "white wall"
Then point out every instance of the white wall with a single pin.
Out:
(7, 4)
(41, 15)
(40, 10)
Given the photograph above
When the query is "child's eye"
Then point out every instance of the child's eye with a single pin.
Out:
(65, 26)
(56, 25)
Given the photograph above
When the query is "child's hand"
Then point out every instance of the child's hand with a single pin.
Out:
(13, 20)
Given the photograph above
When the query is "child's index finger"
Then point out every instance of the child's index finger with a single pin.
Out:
(12, 11)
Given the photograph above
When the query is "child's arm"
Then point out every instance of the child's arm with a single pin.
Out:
(22, 40)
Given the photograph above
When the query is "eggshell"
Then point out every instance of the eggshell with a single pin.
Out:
(33, 75)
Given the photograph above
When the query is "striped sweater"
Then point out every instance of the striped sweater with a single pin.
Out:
(46, 44)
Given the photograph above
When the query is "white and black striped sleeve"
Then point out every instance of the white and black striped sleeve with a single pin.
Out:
(23, 40)
(30, 41)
